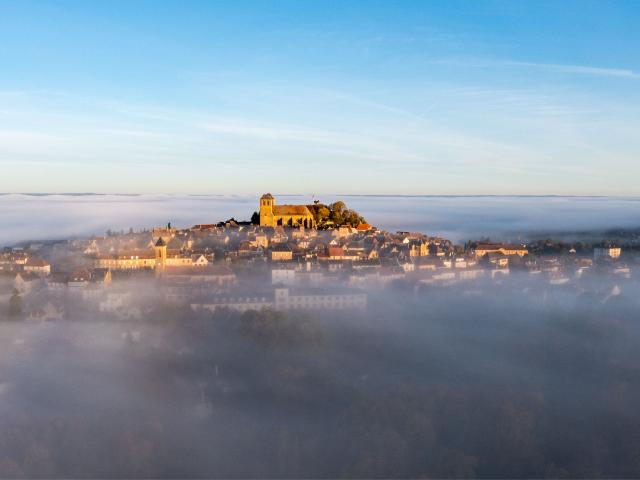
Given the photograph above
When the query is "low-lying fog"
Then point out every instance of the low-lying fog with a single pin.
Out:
(28, 217)
(521, 379)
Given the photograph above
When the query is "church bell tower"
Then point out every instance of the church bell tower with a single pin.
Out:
(160, 249)
(266, 210)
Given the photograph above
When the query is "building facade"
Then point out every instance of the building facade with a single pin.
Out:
(272, 215)
(606, 252)
(483, 249)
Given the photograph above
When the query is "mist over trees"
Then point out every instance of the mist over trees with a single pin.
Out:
(527, 381)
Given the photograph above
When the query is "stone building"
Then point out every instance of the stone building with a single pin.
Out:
(272, 215)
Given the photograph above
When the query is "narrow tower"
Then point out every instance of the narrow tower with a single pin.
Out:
(160, 249)
(266, 210)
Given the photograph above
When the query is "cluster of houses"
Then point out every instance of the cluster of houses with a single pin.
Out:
(242, 266)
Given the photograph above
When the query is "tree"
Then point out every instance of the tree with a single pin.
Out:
(338, 207)
(336, 213)
(255, 218)
(352, 218)
(323, 213)
(278, 330)
(15, 304)
(336, 217)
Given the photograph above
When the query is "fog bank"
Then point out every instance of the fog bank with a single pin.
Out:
(28, 217)
(515, 379)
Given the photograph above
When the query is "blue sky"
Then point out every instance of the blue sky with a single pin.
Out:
(498, 97)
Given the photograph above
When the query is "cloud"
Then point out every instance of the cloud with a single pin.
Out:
(12, 93)
(550, 67)
(577, 69)
(13, 141)
(478, 136)
(267, 132)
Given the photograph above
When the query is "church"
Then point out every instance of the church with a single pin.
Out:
(272, 215)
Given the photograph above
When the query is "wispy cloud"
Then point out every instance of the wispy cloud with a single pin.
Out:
(270, 131)
(549, 67)
(12, 93)
(30, 141)
(577, 69)
(369, 104)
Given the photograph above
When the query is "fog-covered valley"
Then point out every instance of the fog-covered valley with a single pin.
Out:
(514, 378)
(238, 350)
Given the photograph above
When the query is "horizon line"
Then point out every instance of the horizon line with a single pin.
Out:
(417, 195)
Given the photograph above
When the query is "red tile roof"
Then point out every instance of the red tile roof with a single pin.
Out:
(36, 262)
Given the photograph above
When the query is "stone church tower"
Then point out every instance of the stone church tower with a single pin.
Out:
(160, 249)
(266, 209)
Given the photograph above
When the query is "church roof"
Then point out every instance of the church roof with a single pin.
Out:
(266, 196)
(161, 243)
(291, 210)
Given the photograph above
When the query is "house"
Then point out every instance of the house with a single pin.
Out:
(320, 299)
(435, 250)
(482, 249)
(418, 249)
(343, 231)
(199, 260)
(606, 252)
(498, 259)
(219, 275)
(240, 303)
(284, 274)
(260, 240)
(281, 253)
(37, 265)
(79, 278)
(133, 260)
(18, 257)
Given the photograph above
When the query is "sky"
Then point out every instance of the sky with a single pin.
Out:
(456, 97)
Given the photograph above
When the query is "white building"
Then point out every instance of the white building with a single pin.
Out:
(343, 299)
(237, 304)
(283, 276)
(606, 252)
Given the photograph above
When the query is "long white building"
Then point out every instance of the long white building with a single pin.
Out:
(289, 299)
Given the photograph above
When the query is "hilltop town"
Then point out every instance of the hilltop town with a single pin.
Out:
(288, 257)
